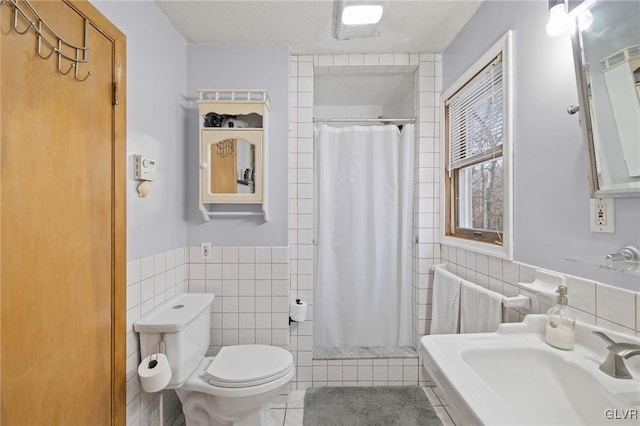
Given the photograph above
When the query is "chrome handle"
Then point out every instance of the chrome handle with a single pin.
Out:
(627, 253)
(573, 109)
(604, 337)
(626, 350)
(614, 364)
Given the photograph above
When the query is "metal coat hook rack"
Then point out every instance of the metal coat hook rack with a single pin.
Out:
(27, 15)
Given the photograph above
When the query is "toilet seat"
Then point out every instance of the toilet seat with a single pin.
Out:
(242, 366)
(198, 382)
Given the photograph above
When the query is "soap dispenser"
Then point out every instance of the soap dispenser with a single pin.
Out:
(560, 332)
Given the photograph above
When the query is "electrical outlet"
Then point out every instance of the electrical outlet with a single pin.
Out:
(602, 215)
(205, 250)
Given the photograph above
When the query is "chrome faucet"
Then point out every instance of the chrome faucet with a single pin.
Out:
(618, 352)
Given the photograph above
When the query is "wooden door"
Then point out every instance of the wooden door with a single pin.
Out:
(62, 224)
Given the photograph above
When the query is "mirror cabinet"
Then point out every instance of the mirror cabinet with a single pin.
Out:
(233, 147)
(606, 51)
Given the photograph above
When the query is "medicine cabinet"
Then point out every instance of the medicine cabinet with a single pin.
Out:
(607, 62)
(233, 151)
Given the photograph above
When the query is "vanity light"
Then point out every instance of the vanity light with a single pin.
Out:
(558, 23)
(358, 19)
(585, 19)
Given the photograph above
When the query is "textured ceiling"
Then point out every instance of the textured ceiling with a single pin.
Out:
(308, 26)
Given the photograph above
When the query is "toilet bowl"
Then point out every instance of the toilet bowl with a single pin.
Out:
(233, 388)
(236, 386)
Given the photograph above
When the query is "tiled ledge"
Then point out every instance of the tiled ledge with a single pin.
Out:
(365, 352)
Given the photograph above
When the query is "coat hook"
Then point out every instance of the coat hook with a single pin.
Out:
(73, 65)
(52, 49)
(89, 74)
(51, 52)
(42, 31)
(15, 25)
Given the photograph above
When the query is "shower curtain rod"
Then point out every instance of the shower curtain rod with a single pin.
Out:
(364, 120)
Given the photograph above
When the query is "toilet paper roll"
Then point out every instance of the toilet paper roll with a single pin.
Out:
(298, 311)
(154, 372)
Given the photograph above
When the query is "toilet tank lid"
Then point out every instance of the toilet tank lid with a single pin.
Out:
(174, 314)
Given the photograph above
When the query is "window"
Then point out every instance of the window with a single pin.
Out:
(477, 174)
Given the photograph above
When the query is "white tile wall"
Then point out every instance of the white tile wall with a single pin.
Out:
(251, 285)
(150, 281)
(427, 69)
(301, 208)
(592, 302)
(428, 82)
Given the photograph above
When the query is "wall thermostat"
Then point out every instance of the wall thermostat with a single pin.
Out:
(144, 167)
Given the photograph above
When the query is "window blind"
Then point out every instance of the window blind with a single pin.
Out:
(475, 118)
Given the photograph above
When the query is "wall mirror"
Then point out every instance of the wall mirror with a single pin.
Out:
(607, 61)
(232, 167)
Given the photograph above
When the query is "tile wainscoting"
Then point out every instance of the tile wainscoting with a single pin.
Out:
(252, 301)
(150, 281)
(595, 303)
(251, 285)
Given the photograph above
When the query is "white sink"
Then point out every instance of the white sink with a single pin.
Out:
(512, 377)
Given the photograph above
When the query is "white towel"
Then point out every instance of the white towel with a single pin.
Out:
(480, 309)
(446, 302)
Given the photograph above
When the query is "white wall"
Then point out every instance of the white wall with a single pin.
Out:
(241, 67)
(156, 120)
(551, 193)
(156, 72)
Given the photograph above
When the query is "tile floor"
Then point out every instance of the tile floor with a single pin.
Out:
(290, 414)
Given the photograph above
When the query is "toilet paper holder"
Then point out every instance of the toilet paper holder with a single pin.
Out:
(298, 302)
(153, 361)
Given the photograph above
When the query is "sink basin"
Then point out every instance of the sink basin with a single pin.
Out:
(512, 377)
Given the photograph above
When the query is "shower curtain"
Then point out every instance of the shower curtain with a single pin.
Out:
(364, 208)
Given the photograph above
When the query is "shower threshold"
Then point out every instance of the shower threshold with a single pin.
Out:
(365, 352)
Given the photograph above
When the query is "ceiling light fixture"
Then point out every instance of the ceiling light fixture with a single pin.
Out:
(362, 14)
(358, 19)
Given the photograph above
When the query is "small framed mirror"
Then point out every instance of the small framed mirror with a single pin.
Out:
(606, 47)
(231, 166)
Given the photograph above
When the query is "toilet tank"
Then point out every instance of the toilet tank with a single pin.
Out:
(183, 323)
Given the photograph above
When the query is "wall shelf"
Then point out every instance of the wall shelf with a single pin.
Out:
(625, 260)
(629, 267)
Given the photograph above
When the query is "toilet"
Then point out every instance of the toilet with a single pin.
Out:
(233, 388)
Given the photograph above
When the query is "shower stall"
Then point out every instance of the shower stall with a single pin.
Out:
(363, 214)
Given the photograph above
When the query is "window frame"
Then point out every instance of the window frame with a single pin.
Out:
(464, 238)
